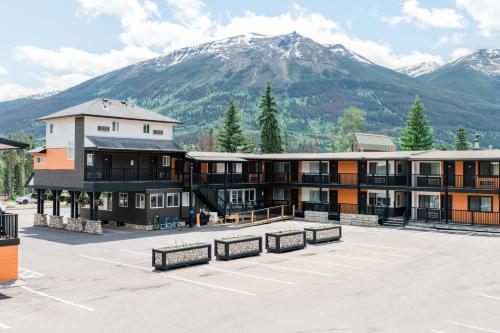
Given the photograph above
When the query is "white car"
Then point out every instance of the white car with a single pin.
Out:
(26, 199)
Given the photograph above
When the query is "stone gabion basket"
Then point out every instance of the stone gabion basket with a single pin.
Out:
(227, 249)
(181, 256)
(284, 241)
(323, 234)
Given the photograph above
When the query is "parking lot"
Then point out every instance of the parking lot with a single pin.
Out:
(375, 280)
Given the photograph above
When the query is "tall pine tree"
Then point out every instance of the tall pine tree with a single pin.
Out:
(270, 133)
(230, 137)
(461, 139)
(351, 122)
(417, 135)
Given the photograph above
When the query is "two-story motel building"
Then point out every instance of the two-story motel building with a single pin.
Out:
(120, 163)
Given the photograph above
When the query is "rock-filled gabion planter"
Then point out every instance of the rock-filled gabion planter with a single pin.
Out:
(40, 220)
(56, 222)
(323, 233)
(237, 247)
(181, 256)
(284, 241)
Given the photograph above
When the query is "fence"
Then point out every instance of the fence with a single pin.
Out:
(8, 226)
(265, 215)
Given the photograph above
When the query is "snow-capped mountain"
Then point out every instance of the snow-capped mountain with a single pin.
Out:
(342, 51)
(419, 69)
(43, 95)
(485, 61)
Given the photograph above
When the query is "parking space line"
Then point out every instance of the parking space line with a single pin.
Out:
(355, 257)
(418, 234)
(6, 327)
(325, 263)
(490, 297)
(389, 248)
(249, 275)
(473, 327)
(290, 268)
(176, 278)
(57, 299)
(435, 331)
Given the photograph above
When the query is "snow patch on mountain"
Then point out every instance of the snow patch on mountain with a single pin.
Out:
(419, 69)
(486, 61)
(341, 51)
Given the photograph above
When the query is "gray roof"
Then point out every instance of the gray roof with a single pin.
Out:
(100, 142)
(41, 149)
(369, 141)
(110, 108)
(457, 155)
(6, 144)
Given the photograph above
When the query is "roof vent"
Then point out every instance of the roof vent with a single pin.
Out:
(105, 100)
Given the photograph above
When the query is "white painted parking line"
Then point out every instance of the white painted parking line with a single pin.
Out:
(25, 274)
(418, 234)
(490, 297)
(389, 248)
(176, 278)
(57, 299)
(249, 275)
(435, 331)
(354, 257)
(6, 327)
(379, 253)
(289, 268)
(473, 327)
(461, 236)
(324, 263)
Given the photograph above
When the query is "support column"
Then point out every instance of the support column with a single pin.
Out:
(72, 209)
(191, 209)
(91, 205)
(58, 203)
(42, 201)
(446, 199)
(38, 201)
(54, 205)
(321, 187)
(77, 213)
(388, 199)
(408, 193)
(225, 189)
(96, 196)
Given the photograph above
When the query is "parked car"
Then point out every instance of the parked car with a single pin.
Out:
(26, 199)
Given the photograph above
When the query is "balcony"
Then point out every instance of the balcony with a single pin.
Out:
(127, 174)
(428, 180)
(385, 180)
(281, 178)
(457, 181)
(315, 178)
(455, 216)
(8, 227)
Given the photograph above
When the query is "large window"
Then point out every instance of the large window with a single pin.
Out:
(480, 204)
(165, 161)
(489, 168)
(123, 200)
(254, 167)
(52, 128)
(239, 196)
(429, 168)
(156, 200)
(377, 199)
(377, 168)
(157, 132)
(314, 196)
(314, 167)
(172, 199)
(185, 199)
(90, 159)
(281, 194)
(116, 126)
(428, 201)
(140, 200)
(40, 160)
(281, 167)
(103, 128)
(107, 201)
(218, 168)
(145, 128)
(237, 167)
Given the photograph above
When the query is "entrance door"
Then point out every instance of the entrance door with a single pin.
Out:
(450, 169)
(469, 173)
(107, 167)
(362, 202)
(362, 172)
(153, 167)
(334, 201)
(334, 172)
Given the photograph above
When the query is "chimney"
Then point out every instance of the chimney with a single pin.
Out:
(476, 145)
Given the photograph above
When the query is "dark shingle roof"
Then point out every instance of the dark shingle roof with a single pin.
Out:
(11, 144)
(110, 108)
(99, 142)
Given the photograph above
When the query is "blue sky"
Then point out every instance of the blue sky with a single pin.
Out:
(52, 45)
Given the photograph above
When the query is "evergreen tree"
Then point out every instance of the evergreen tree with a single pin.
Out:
(270, 133)
(17, 180)
(443, 147)
(230, 137)
(351, 122)
(461, 139)
(418, 134)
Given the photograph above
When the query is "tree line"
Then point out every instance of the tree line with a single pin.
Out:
(15, 168)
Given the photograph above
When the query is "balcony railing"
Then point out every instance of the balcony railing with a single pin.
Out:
(388, 180)
(127, 174)
(8, 226)
(428, 180)
(455, 216)
(457, 181)
(315, 178)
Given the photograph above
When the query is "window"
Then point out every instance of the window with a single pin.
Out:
(103, 128)
(140, 200)
(217, 168)
(237, 167)
(254, 167)
(480, 204)
(172, 199)
(71, 149)
(90, 159)
(488, 168)
(281, 194)
(156, 200)
(165, 161)
(52, 128)
(314, 167)
(314, 196)
(116, 126)
(428, 201)
(377, 168)
(157, 132)
(185, 199)
(123, 200)
(281, 167)
(145, 128)
(377, 199)
(40, 160)
(107, 201)
(429, 168)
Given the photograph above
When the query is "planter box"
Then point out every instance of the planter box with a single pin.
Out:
(238, 247)
(285, 241)
(181, 256)
(323, 234)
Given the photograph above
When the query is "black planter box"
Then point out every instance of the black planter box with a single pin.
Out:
(323, 234)
(227, 249)
(285, 241)
(175, 257)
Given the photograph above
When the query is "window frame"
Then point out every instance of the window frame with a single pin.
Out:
(115, 126)
(103, 128)
(156, 195)
(166, 161)
(123, 203)
(40, 159)
(140, 198)
(146, 128)
(90, 161)
(157, 132)
(52, 128)
(480, 210)
(172, 195)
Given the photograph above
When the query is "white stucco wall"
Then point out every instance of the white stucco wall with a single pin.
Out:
(128, 128)
(64, 130)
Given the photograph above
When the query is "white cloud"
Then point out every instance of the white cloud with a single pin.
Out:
(459, 53)
(485, 12)
(423, 17)
(3, 71)
(453, 39)
(10, 91)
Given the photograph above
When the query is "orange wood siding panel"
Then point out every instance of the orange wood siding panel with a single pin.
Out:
(460, 200)
(55, 159)
(204, 167)
(348, 167)
(461, 214)
(348, 196)
(9, 257)
(459, 171)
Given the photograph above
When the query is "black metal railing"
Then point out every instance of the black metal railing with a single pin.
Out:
(127, 174)
(428, 180)
(455, 216)
(280, 178)
(315, 206)
(8, 226)
(387, 180)
(315, 178)
(456, 181)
